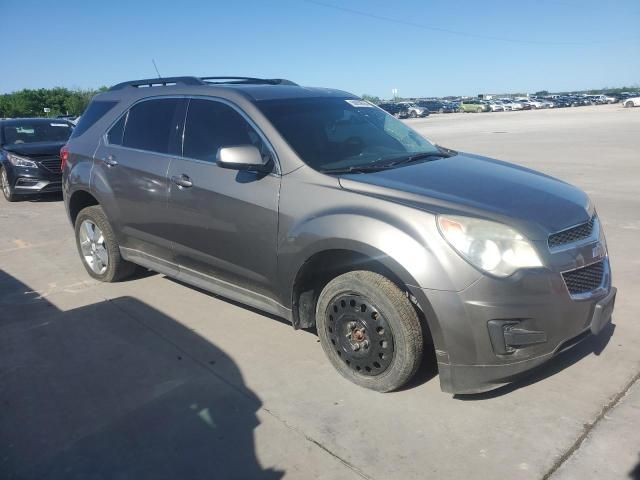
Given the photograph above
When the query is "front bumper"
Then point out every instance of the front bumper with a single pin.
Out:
(29, 181)
(495, 330)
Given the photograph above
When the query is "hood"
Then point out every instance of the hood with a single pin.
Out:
(467, 184)
(43, 149)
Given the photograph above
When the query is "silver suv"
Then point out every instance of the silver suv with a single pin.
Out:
(316, 206)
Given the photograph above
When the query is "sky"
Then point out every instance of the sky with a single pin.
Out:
(419, 47)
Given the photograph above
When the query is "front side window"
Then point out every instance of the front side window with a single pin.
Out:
(336, 133)
(152, 124)
(211, 125)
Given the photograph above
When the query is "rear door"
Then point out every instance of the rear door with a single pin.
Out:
(130, 172)
(224, 225)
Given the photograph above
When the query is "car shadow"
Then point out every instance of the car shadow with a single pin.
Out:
(117, 389)
(45, 197)
(593, 344)
(234, 303)
(635, 473)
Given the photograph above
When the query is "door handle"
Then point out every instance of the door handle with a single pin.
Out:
(182, 181)
(110, 160)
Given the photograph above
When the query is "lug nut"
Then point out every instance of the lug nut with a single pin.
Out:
(365, 344)
(355, 347)
(352, 325)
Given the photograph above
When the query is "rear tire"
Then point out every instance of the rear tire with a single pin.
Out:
(628, 104)
(369, 330)
(98, 248)
(7, 189)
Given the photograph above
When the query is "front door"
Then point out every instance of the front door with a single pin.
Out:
(224, 222)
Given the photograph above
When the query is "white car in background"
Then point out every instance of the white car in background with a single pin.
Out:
(631, 102)
(414, 110)
(513, 105)
(496, 106)
(533, 102)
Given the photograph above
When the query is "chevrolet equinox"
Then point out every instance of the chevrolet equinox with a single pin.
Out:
(319, 207)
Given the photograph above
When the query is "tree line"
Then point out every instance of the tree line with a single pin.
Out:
(59, 101)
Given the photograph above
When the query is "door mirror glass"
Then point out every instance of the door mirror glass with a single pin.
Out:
(242, 157)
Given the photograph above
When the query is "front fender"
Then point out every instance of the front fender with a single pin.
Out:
(400, 250)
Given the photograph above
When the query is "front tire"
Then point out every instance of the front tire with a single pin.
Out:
(628, 105)
(7, 189)
(98, 248)
(369, 330)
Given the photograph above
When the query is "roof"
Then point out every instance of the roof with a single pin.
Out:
(254, 89)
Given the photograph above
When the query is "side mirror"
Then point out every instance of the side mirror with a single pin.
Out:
(242, 157)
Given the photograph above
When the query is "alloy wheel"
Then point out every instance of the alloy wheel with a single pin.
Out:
(6, 188)
(360, 334)
(93, 247)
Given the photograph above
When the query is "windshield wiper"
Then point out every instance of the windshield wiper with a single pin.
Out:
(357, 169)
(376, 167)
(418, 156)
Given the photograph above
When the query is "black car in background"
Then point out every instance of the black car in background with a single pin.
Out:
(30, 155)
(436, 106)
(397, 110)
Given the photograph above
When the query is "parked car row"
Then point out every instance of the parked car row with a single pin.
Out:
(423, 107)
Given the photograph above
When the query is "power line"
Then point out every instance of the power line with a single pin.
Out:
(445, 30)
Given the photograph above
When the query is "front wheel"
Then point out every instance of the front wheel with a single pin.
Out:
(98, 248)
(7, 190)
(369, 330)
(628, 105)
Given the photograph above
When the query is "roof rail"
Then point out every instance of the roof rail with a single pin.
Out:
(163, 82)
(156, 82)
(247, 80)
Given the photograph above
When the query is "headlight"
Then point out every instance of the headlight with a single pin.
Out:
(19, 161)
(492, 247)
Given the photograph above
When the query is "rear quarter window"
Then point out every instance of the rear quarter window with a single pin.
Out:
(94, 112)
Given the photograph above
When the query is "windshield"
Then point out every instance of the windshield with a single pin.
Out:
(336, 133)
(36, 132)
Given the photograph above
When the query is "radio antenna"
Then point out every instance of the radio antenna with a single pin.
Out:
(156, 67)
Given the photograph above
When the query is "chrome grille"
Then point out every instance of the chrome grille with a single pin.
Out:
(572, 234)
(52, 164)
(585, 279)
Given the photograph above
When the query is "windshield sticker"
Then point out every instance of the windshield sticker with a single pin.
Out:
(59, 125)
(359, 103)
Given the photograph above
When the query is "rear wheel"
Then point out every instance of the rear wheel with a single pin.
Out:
(628, 105)
(413, 114)
(98, 248)
(369, 330)
(7, 189)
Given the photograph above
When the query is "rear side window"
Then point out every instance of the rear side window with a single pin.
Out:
(116, 133)
(211, 125)
(94, 112)
(152, 124)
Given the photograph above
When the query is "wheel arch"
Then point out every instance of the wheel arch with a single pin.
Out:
(78, 200)
(325, 264)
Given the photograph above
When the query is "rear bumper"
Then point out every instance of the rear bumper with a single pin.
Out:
(496, 330)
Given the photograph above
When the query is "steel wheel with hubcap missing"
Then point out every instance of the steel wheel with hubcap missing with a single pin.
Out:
(93, 247)
(369, 330)
(360, 335)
